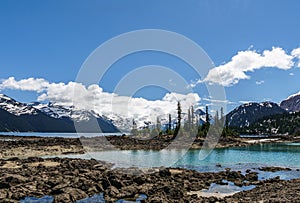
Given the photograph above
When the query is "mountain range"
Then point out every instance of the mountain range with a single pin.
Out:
(249, 113)
(36, 117)
(39, 117)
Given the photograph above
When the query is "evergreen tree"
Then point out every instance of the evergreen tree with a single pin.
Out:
(217, 118)
(134, 130)
(158, 124)
(169, 128)
(203, 130)
(178, 115)
(170, 122)
(222, 116)
(189, 123)
(207, 115)
(178, 120)
(193, 117)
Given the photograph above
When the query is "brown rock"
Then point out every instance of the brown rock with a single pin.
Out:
(75, 194)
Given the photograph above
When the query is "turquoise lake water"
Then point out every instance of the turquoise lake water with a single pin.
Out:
(238, 158)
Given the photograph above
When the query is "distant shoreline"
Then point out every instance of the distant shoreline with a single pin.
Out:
(26, 146)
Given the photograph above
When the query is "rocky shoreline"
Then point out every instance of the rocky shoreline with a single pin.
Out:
(23, 173)
(68, 180)
(23, 146)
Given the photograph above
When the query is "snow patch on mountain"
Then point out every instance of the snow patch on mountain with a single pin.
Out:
(14, 107)
(292, 103)
(292, 96)
(247, 113)
(60, 111)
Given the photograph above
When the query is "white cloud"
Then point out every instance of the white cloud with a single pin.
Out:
(218, 101)
(30, 84)
(260, 82)
(235, 70)
(296, 54)
(194, 83)
(291, 74)
(94, 98)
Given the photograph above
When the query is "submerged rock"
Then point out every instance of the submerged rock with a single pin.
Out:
(274, 169)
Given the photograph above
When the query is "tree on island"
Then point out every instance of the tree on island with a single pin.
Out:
(203, 129)
(178, 125)
(190, 126)
(158, 125)
(134, 130)
(169, 128)
(206, 115)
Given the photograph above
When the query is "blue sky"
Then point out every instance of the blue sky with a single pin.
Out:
(51, 40)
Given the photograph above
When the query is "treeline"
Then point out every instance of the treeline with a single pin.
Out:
(193, 125)
(288, 123)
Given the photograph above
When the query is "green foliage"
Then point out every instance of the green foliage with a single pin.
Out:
(288, 123)
(170, 123)
(229, 132)
(217, 127)
(176, 131)
(207, 115)
(203, 130)
(169, 132)
(189, 128)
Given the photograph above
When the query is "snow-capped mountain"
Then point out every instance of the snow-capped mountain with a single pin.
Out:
(78, 115)
(59, 111)
(17, 116)
(122, 122)
(292, 103)
(247, 113)
(15, 107)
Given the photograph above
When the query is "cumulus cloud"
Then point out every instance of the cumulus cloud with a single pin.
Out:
(235, 70)
(93, 97)
(29, 84)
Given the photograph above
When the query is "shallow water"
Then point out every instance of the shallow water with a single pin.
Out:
(237, 158)
(230, 188)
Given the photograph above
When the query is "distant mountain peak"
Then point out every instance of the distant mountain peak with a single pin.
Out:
(4, 96)
(292, 103)
(15, 107)
(293, 95)
(35, 116)
(247, 113)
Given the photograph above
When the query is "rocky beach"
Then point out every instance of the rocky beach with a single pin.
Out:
(68, 180)
(24, 173)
